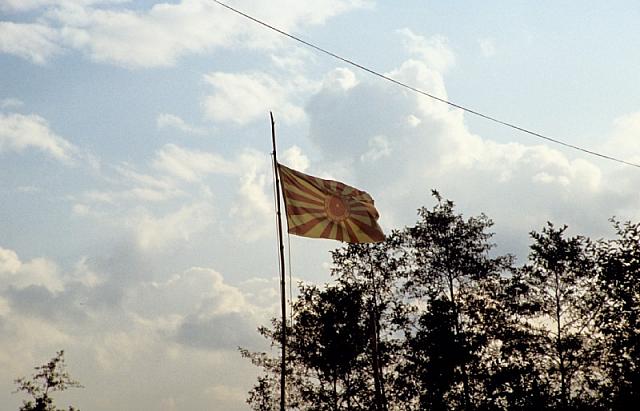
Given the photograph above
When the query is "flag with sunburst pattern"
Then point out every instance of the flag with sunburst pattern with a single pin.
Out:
(328, 209)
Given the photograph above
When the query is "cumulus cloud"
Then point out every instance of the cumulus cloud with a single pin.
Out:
(429, 145)
(199, 308)
(32, 41)
(252, 207)
(132, 186)
(379, 147)
(434, 51)
(487, 47)
(174, 199)
(153, 231)
(39, 272)
(243, 97)
(10, 103)
(28, 5)
(220, 331)
(19, 132)
(165, 120)
(157, 36)
(340, 78)
(9, 261)
(623, 140)
(167, 329)
(294, 158)
(190, 165)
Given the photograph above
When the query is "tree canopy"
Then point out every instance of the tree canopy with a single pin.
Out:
(434, 318)
(49, 378)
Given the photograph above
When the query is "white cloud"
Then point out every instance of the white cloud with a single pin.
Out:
(184, 293)
(35, 42)
(623, 141)
(138, 187)
(252, 208)
(244, 97)
(291, 14)
(154, 232)
(172, 121)
(85, 274)
(487, 47)
(421, 75)
(28, 189)
(190, 165)
(28, 5)
(24, 5)
(379, 147)
(293, 60)
(81, 209)
(434, 50)
(10, 103)
(19, 131)
(9, 261)
(413, 144)
(188, 320)
(36, 272)
(340, 78)
(158, 36)
(295, 158)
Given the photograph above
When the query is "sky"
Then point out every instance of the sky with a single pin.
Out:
(137, 224)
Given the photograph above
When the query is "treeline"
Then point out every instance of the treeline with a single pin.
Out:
(435, 319)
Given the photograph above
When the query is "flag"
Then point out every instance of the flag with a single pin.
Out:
(328, 209)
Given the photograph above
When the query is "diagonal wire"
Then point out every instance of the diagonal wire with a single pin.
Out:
(424, 93)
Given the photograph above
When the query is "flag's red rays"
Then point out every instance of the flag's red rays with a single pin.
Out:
(308, 226)
(297, 197)
(369, 230)
(351, 234)
(297, 211)
(327, 230)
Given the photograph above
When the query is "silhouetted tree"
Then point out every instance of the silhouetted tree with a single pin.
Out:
(434, 319)
(558, 276)
(341, 341)
(331, 339)
(375, 269)
(618, 312)
(516, 380)
(49, 378)
(328, 365)
(452, 272)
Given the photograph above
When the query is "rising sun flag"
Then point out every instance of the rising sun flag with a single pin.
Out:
(320, 208)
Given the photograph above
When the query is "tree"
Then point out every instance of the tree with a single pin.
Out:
(340, 344)
(558, 278)
(376, 269)
(618, 313)
(49, 378)
(434, 319)
(516, 380)
(452, 275)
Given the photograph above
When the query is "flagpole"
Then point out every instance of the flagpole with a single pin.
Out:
(283, 304)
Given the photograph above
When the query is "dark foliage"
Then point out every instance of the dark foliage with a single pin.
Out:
(433, 319)
(49, 378)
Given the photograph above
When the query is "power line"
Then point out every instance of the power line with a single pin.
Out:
(424, 93)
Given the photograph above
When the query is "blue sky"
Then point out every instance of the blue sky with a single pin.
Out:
(137, 228)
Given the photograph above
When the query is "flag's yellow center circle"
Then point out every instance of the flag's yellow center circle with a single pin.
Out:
(337, 208)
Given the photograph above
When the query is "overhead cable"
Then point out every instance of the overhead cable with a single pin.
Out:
(424, 93)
